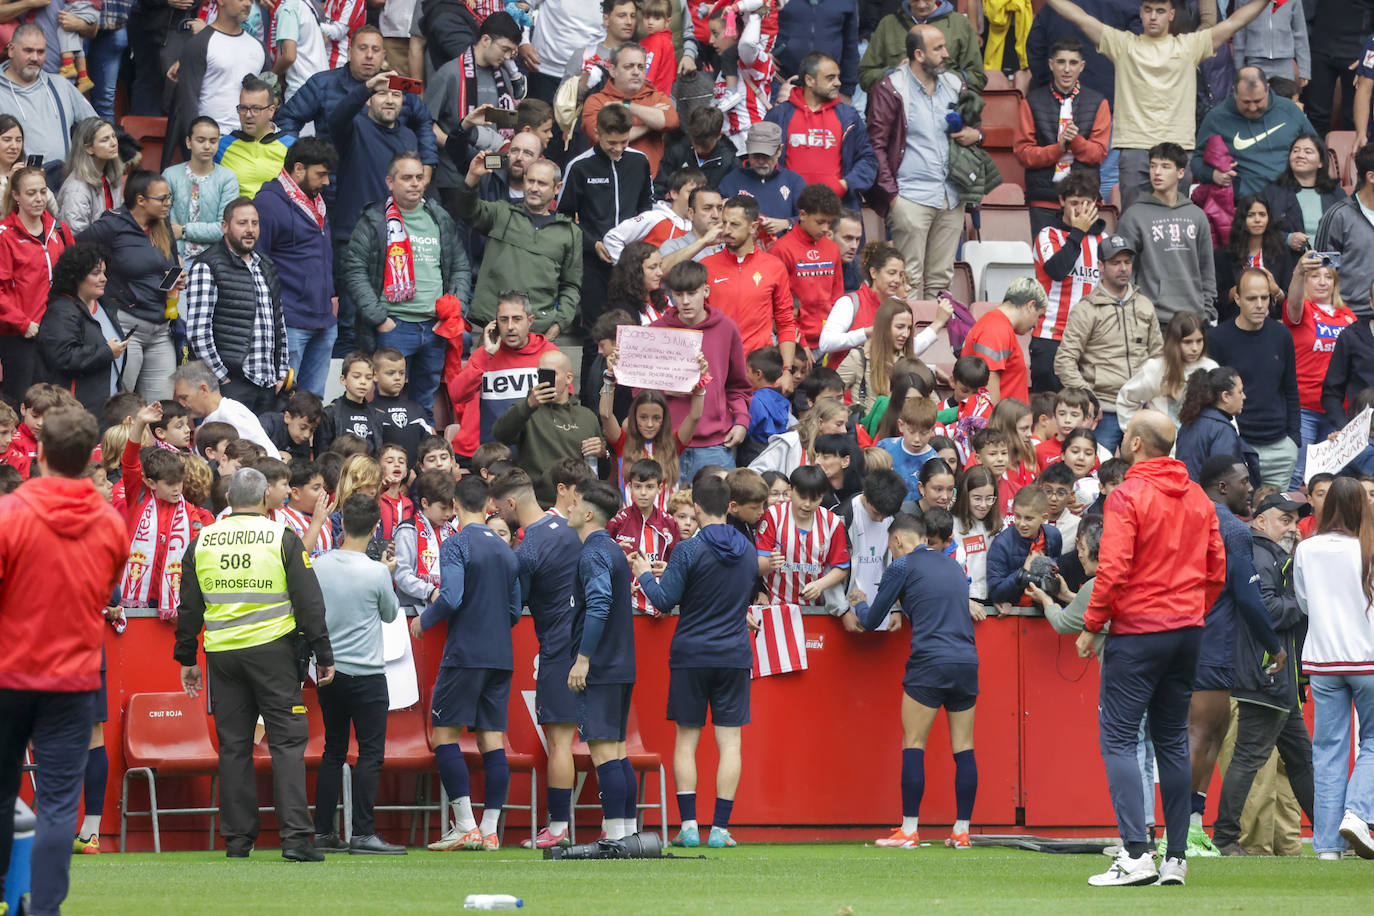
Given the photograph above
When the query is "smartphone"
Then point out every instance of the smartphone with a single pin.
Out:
(169, 280)
(547, 377)
(495, 161)
(127, 334)
(502, 118)
(34, 161)
(405, 84)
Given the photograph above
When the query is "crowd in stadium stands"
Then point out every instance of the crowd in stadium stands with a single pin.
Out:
(442, 211)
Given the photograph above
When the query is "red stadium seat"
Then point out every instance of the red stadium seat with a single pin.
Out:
(166, 734)
(1004, 223)
(1001, 111)
(998, 82)
(961, 284)
(1340, 149)
(1013, 172)
(521, 763)
(152, 133)
(1110, 216)
(1006, 194)
(644, 762)
(874, 227)
(408, 751)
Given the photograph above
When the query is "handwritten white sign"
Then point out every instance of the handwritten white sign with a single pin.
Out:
(1330, 456)
(661, 359)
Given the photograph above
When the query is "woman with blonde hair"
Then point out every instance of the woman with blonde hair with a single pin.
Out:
(788, 451)
(359, 474)
(867, 369)
(94, 179)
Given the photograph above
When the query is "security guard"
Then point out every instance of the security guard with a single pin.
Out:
(249, 581)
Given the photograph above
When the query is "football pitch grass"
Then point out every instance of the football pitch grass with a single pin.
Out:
(793, 878)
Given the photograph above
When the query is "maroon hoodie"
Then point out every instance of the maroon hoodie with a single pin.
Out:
(727, 395)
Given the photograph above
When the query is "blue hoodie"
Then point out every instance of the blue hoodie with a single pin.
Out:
(711, 578)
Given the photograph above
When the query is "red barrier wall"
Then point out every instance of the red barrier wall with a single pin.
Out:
(823, 748)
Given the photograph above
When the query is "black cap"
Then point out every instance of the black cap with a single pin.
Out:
(1111, 246)
(1283, 504)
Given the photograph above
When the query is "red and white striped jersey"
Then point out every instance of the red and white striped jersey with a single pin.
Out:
(745, 103)
(654, 537)
(1075, 286)
(299, 522)
(780, 643)
(805, 554)
(349, 14)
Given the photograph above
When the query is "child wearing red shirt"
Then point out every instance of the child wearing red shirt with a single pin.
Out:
(658, 45)
(644, 527)
(813, 260)
(38, 400)
(12, 453)
(158, 518)
(396, 505)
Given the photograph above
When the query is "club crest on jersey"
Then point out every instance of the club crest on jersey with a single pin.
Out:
(758, 278)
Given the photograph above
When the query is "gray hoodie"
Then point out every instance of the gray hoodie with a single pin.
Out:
(47, 109)
(1173, 262)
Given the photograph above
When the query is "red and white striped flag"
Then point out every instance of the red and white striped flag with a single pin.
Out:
(780, 644)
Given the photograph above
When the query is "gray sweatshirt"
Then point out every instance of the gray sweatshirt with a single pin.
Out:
(1173, 263)
(358, 599)
(47, 109)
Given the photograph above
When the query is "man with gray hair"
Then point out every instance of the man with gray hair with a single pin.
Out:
(195, 386)
(1258, 127)
(529, 246)
(994, 339)
(47, 107)
(247, 581)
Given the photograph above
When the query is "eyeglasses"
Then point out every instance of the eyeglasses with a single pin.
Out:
(253, 109)
(164, 199)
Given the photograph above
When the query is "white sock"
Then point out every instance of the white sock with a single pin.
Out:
(90, 826)
(462, 813)
(491, 818)
(628, 825)
(690, 826)
(909, 824)
(961, 826)
(613, 829)
(1195, 819)
(557, 827)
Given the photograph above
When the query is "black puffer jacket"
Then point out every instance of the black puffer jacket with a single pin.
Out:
(449, 29)
(1253, 685)
(75, 350)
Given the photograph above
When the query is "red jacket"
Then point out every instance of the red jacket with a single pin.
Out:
(26, 266)
(1162, 563)
(25, 442)
(17, 457)
(817, 278)
(728, 392)
(755, 293)
(501, 379)
(62, 550)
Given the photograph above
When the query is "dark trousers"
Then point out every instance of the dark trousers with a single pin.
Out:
(1260, 729)
(59, 725)
(245, 684)
(1148, 674)
(361, 701)
(347, 341)
(1042, 376)
(1319, 94)
(256, 398)
(596, 276)
(23, 365)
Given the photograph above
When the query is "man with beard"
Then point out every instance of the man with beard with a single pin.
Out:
(234, 319)
(295, 235)
(46, 107)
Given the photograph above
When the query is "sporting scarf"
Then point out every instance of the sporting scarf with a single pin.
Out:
(1061, 168)
(467, 88)
(398, 278)
(395, 509)
(311, 207)
(136, 583)
(427, 545)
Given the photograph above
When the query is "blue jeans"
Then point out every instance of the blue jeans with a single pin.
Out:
(693, 458)
(1315, 428)
(1145, 759)
(104, 54)
(59, 725)
(424, 353)
(1108, 431)
(309, 351)
(1109, 172)
(1334, 792)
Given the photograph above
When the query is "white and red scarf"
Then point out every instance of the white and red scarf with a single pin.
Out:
(135, 585)
(398, 276)
(299, 522)
(427, 545)
(311, 207)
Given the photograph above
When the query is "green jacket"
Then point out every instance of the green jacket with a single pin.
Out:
(543, 435)
(971, 167)
(545, 262)
(887, 48)
(365, 256)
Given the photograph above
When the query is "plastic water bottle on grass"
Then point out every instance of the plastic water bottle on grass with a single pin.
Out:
(492, 902)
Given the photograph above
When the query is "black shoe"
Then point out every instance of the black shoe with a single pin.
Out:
(373, 845)
(237, 852)
(330, 842)
(306, 852)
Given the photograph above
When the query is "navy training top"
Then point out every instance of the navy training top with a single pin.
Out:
(479, 596)
(603, 627)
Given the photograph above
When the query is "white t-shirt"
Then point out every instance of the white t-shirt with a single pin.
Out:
(971, 550)
(868, 553)
(245, 421)
(293, 21)
(395, 18)
(228, 59)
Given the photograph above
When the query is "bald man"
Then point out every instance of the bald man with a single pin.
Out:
(549, 425)
(1161, 565)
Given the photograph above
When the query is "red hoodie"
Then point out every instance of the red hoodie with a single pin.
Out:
(502, 379)
(1162, 563)
(62, 550)
(814, 140)
(728, 393)
(817, 278)
(25, 443)
(26, 266)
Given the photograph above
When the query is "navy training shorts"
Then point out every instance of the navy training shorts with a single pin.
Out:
(724, 690)
(476, 697)
(955, 687)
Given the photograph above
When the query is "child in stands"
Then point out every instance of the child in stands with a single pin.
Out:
(419, 537)
(748, 501)
(158, 518)
(307, 510)
(770, 412)
(567, 475)
(1013, 419)
(837, 456)
(350, 412)
(1013, 549)
(802, 548)
(12, 452)
(293, 429)
(681, 509)
(911, 449)
(38, 400)
(211, 439)
(866, 523)
(977, 519)
(396, 505)
(1057, 481)
(1080, 454)
(173, 431)
(644, 527)
(779, 490)
(404, 422)
(1071, 407)
(648, 433)
(486, 455)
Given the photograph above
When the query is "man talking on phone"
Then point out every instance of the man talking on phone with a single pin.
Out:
(549, 425)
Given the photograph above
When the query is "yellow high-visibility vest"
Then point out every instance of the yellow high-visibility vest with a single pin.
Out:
(243, 581)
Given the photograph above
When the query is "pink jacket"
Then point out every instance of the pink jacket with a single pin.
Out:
(1217, 202)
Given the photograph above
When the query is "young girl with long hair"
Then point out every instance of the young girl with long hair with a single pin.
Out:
(909, 378)
(1159, 383)
(788, 451)
(867, 370)
(976, 520)
(1013, 418)
(648, 433)
(1079, 455)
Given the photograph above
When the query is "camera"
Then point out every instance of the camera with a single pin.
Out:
(634, 846)
(1330, 259)
(495, 161)
(1044, 575)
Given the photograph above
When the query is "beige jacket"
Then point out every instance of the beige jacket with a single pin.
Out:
(1106, 342)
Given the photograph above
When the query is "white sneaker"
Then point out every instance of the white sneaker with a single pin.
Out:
(1329, 856)
(1127, 871)
(1356, 832)
(1173, 871)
